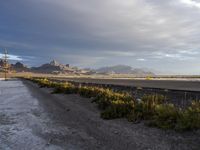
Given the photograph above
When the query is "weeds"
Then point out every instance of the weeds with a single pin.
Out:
(165, 116)
(117, 109)
(152, 108)
(190, 118)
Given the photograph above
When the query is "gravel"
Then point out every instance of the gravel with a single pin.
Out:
(33, 119)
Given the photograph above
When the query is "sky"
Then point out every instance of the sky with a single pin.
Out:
(156, 34)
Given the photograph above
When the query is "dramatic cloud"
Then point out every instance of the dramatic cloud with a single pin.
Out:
(11, 57)
(163, 35)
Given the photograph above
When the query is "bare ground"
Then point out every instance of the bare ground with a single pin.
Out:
(32, 118)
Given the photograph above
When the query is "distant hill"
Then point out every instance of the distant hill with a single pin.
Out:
(51, 68)
(123, 69)
(19, 67)
(54, 67)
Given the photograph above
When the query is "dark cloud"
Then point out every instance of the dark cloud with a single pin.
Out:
(141, 33)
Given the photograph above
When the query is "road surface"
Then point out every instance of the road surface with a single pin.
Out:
(33, 119)
(185, 85)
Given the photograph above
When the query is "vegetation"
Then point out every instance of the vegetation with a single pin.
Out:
(152, 108)
(167, 116)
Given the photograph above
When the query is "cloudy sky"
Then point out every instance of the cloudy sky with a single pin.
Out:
(156, 34)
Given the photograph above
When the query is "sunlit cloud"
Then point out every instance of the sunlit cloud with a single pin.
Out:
(173, 56)
(141, 59)
(192, 3)
(11, 57)
(188, 52)
(120, 53)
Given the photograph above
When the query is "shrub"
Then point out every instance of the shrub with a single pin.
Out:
(145, 108)
(165, 116)
(122, 105)
(190, 118)
(65, 88)
(88, 92)
(136, 114)
(106, 97)
(118, 109)
(149, 103)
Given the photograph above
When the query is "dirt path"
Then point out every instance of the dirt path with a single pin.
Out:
(32, 118)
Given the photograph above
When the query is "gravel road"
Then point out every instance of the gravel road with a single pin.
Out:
(33, 119)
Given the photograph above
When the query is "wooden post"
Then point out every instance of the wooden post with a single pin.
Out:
(5, 64)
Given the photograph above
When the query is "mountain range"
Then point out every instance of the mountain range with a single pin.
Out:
(124, 69)
(55, 67)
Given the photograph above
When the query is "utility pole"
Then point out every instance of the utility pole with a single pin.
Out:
(5, 64)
